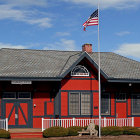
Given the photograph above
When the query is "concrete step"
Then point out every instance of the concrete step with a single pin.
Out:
(27, 135)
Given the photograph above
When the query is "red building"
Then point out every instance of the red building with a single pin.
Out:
(64, 84)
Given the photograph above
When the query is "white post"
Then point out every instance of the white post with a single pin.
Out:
(104, 121)
(6, 121)
(73, 121)
(132, 121)
(42, 124)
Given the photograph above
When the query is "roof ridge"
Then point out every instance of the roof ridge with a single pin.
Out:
(39, 50)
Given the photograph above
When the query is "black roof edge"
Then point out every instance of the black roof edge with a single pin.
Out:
(84, 55)
(31, 78)
(114, 80)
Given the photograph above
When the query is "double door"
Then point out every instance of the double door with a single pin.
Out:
(18, 112)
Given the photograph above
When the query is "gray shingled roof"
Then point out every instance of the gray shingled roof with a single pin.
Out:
(51, 63)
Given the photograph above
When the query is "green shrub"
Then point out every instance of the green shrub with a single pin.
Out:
(55, 132)
(130, 130)
(4, 134)
(73, 131)
(114, 131)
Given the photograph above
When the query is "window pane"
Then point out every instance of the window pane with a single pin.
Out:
(85, 104)
(24, 95)
(74, 104)
(136, 104)
(9, 95)
(121, 97)
(105, 101)
(79, 71)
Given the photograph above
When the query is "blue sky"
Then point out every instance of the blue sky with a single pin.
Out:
(57, 24)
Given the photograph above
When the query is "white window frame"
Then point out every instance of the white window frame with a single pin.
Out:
(10, 93)
(24, 98)
(108, 106)
(81, 74)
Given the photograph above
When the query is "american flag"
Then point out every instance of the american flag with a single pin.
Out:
(93, 20)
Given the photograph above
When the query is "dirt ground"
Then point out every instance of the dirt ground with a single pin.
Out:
(123, 137)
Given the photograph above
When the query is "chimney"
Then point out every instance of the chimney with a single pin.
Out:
(87, 48)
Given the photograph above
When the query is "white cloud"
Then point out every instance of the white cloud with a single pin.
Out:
(22, 10)
(119, 4)
(62, 34)
(123, 33)
(8, 45)
(63, 44)
(132, 50)
(23, 3)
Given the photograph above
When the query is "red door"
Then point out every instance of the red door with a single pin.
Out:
(121, 109)
(19, 113)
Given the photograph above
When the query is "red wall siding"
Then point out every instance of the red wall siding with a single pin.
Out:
(37, 122)
(137, 121)
(50, 108)
(129, 106)
(112, 104)
(39, 99)
(79, 84)
(96, 104)
(64, 104)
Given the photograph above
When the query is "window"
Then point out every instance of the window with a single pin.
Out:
(24, 95)
(16, 95)
(74, 104)
(85, 104)
(79, 71)
(121, 97)
(79, 103)
(9, 95)
(136, 104)
(105, 104)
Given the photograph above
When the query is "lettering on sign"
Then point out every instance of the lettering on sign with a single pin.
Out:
(16, 82)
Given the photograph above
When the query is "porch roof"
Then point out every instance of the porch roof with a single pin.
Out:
(23, 63)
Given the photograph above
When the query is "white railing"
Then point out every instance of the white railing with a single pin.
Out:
(47, 123)
(4, 124)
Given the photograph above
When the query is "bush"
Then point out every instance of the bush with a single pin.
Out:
(131, 131)
(114, 131)
(73, 131)
(4, 134)
(55, 132)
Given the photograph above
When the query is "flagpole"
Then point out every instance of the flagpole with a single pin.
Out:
(99, 76)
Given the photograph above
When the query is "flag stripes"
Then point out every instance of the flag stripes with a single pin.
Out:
(93, 20)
